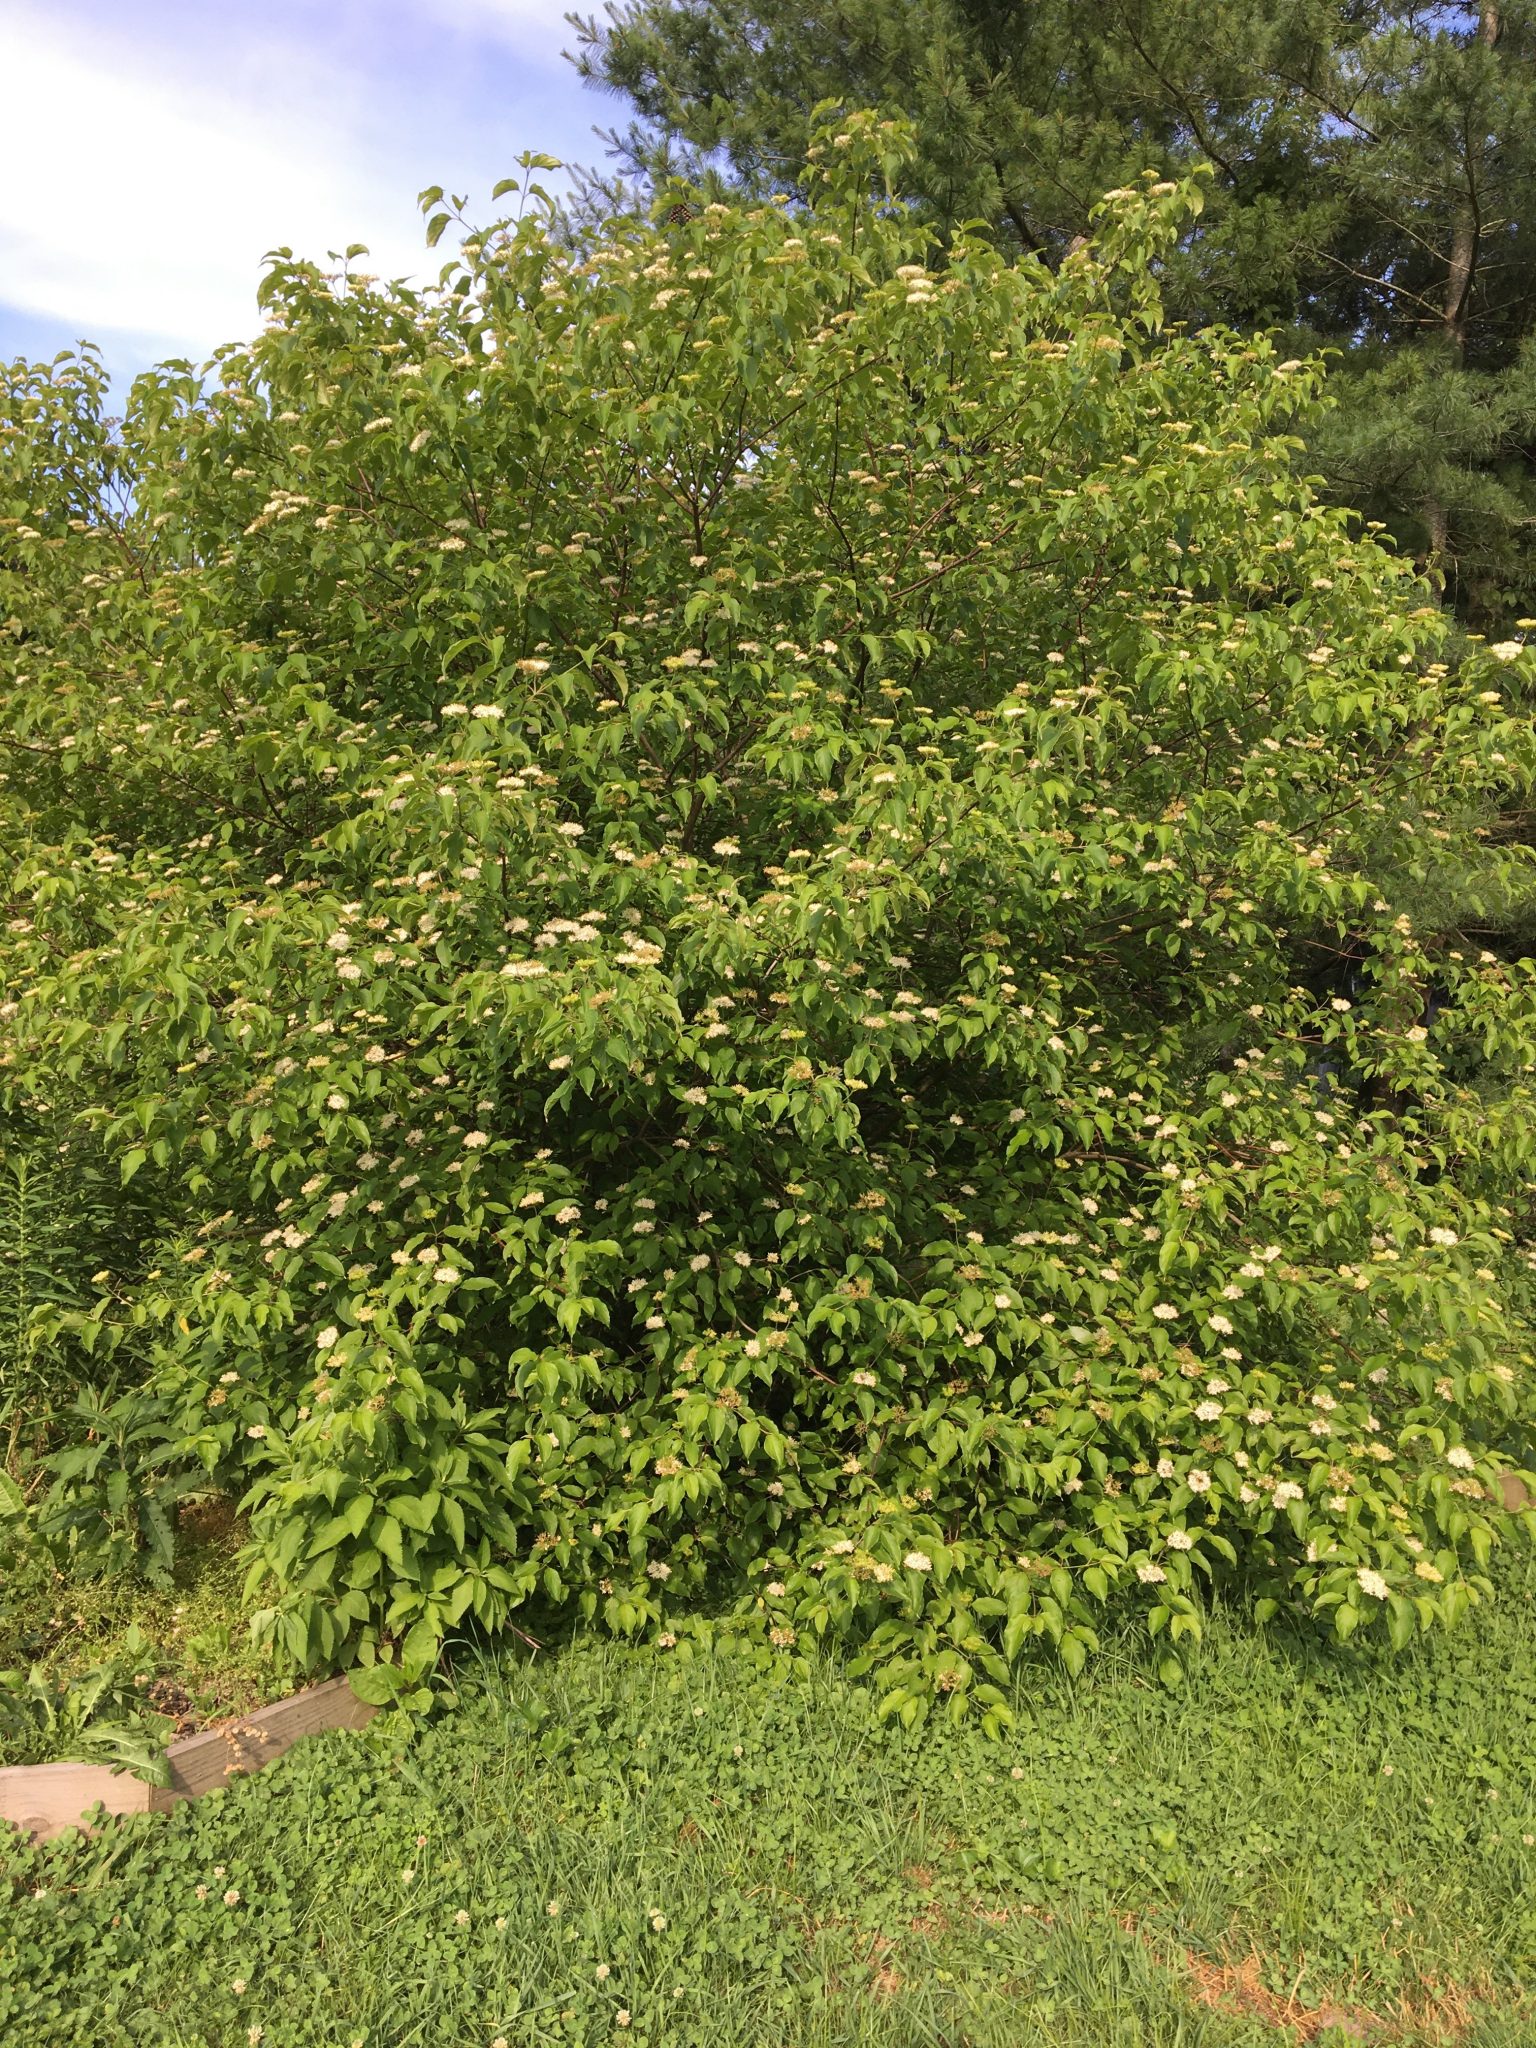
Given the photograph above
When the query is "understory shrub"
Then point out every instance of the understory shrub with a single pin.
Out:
(769, 933)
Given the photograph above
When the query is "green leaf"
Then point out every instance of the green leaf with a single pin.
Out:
(377, 1685)
(1401, 1622)
(416, 1511)
(336, 1530)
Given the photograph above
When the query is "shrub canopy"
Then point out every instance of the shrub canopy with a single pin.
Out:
(763, 932)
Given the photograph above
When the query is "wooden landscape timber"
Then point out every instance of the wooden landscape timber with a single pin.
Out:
(44, 1799)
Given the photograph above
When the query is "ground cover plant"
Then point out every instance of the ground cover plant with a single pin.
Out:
(761, 931)
(724, 1849)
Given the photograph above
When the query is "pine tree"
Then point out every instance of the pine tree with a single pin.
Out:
(1435, 303)
(1373, 190)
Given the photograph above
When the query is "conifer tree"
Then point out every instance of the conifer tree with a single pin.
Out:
(1373, 190)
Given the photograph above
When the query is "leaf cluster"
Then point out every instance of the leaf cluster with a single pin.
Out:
(763, 926)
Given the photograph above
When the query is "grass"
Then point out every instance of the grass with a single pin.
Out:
(1300, 1845)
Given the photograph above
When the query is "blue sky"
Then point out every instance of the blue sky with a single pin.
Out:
(152, 150)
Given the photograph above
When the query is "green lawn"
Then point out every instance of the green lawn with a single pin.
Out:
(733, 1853)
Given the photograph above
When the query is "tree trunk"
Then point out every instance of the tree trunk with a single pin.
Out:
(1463, 259)
(1461, 268)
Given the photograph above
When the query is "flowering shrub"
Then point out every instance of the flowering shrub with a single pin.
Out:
(781, 935)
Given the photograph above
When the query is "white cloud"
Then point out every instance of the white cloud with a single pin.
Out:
(128, 199)
(150, 158)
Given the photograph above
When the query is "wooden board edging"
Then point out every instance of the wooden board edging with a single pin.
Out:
(43, 1799)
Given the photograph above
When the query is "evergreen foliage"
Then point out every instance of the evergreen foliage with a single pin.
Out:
(1374, 190)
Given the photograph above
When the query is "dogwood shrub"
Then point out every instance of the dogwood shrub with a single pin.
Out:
(775, 934)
